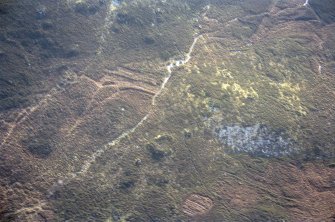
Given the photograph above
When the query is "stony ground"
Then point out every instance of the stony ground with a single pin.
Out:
(154, 110)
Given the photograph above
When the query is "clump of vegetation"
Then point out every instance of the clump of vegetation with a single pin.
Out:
(88, 8)
(149, 40)
(156, 153)
(256, 7)
(157, 180)
(124, 18)
(39, 145)
(127, 184)
(12, 103)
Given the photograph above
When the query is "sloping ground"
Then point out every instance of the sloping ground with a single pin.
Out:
(167, 111)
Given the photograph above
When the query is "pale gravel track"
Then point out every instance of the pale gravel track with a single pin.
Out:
(173, 63)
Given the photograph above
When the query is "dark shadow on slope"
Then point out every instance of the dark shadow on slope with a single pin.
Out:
(325, 9)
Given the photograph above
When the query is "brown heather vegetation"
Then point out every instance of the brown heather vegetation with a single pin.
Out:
(94, 127)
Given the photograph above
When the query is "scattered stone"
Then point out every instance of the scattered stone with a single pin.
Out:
(116, 3)
(187, 134)
(160, 139)
(138, 162)
(41, 12)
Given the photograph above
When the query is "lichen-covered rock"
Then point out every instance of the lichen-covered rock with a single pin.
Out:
(258, 140)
